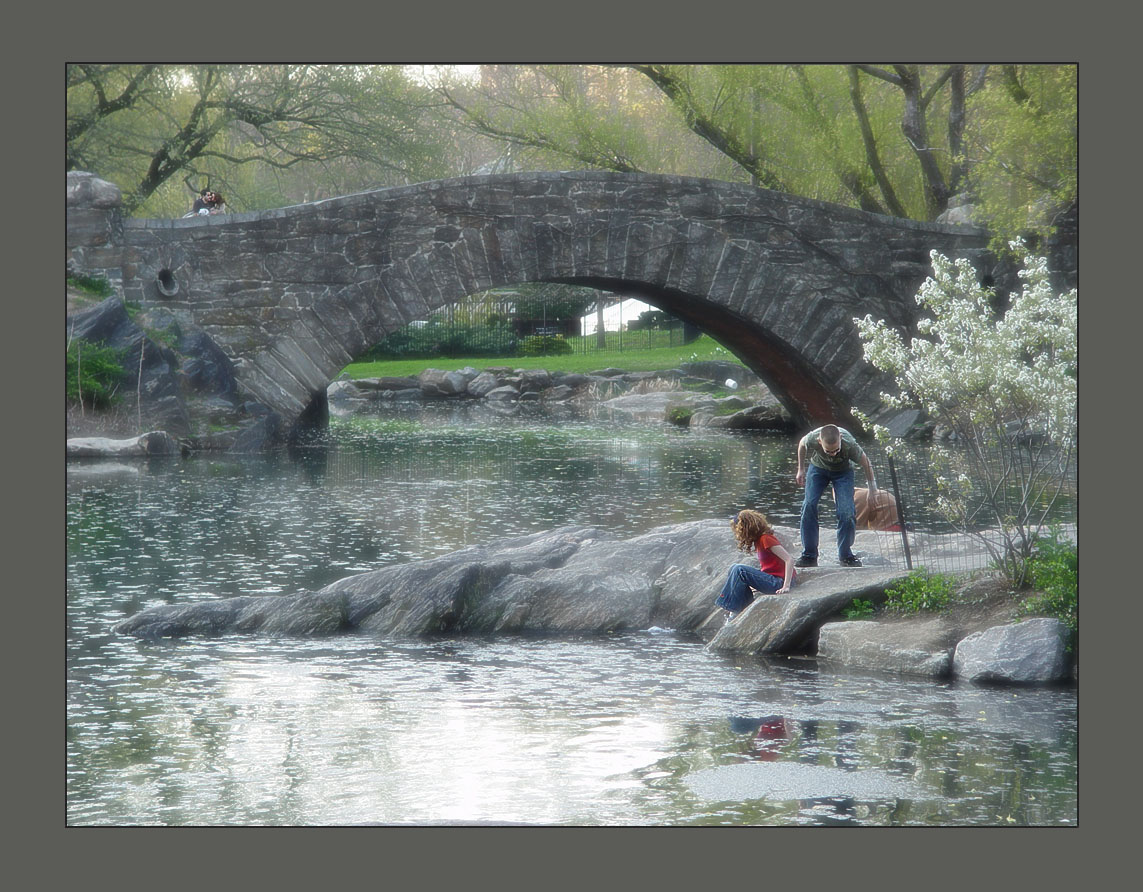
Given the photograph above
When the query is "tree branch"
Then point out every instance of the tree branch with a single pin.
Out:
(679, 93)
(872, 156)
(882, 74)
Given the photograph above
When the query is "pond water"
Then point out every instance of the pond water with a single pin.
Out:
(640, 728)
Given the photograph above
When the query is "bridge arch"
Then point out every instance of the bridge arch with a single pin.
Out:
(292, 295)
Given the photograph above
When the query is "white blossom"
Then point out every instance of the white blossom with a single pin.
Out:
(985, 376)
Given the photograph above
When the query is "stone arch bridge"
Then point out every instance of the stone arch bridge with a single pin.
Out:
(292, 295)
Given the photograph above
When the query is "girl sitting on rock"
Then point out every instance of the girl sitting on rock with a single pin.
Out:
(753, 532)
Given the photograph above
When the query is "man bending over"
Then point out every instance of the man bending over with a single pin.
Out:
(831, 452)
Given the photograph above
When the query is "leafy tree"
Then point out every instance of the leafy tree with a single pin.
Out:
(1023, 168)
(896, 139)
(1007, 387)
(149, 127)
(552, 300)
(548, 115)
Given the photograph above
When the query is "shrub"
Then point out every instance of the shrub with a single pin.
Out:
(1054, 574)
(94, 372)
(544, 345)
(434, 339)
(859, 609)
(680, 415)
(921, 590)
(96, 285)
(1003, 382)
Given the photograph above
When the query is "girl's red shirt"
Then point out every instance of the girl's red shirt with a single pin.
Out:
(767, 560)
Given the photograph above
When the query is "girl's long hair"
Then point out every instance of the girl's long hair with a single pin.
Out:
(749, 526)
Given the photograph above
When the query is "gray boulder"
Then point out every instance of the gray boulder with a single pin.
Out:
(205, 368)
(386, 383)
(567, 581)
(437, 383)
(1030, 652)
(87, 190)
(571, 379)
(483, 384)
(570, 580)
(761, 417)
(558, 393)
(789, 623)
(653, 406)
(503, 394)
(340, 391)
(916, 647)
(151, 443)
(534, 380)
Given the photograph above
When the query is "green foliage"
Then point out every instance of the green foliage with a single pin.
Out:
(1026, 162)
(266, 135)
(453, 340)
(168, 337)
(641, 360)
(898, 139)
(544, 345)
(921, 591)
(94, 285)
(680, 415)
(552, 301)
(859, 609)
(1054, 574)
(650, 319)
(94, 372)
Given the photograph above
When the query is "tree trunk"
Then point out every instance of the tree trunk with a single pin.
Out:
(958, 169)
(873, 157)
(916, 131)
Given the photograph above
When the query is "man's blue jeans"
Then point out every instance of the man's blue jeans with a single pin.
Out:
(816, 481)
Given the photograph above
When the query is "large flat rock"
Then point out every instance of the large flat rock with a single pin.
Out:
(564, 581)
(917, 646)
(789, 623)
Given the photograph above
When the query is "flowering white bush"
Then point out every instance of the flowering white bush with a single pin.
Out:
(1007, 382)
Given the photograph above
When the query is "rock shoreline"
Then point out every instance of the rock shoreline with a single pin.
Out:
(583, 580)
(682, 396)
(645, 396)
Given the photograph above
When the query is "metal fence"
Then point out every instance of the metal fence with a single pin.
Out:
(924, 536)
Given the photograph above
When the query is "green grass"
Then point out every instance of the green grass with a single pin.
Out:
(634, 360)
(921, 591)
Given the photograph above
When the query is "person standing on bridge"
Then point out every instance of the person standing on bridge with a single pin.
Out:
(826, 456)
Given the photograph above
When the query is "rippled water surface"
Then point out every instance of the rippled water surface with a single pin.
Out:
(639, 728)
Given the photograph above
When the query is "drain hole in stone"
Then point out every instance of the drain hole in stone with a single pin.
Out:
(167, 283)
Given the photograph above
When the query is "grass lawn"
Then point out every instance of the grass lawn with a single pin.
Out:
(634, 360)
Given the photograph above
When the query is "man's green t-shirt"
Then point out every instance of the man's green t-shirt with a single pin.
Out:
(849, 455)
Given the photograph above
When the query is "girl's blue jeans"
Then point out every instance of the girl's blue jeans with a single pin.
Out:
(817, 479)
(736, 594)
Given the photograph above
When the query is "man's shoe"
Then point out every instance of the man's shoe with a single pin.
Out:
(851, 561)
(806, 562)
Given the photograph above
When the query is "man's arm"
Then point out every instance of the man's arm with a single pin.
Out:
(868, 468)
(801, 475)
